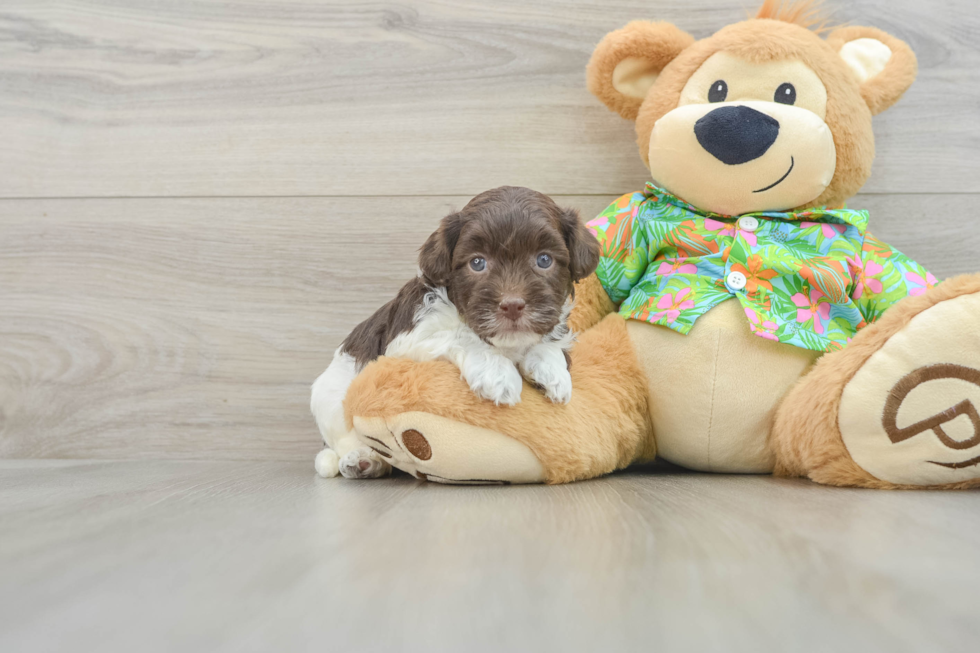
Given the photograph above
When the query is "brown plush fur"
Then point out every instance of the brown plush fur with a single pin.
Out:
(805, 13)
(591, 304)
(805, 437)
(605, 427)
(887, 87)
(658, 43)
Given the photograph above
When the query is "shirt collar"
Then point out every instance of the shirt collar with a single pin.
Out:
(843, 215)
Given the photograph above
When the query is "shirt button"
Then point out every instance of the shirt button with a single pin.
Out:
(748, 223)
(736, 280)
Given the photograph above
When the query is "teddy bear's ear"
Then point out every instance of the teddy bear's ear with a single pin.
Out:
(884, 66)
(627, 62)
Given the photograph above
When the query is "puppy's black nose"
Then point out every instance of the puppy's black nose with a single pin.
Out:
(738, 134)
(512, 307)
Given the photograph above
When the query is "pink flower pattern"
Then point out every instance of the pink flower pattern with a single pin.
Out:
(865, 274)
(764, 329)
(924, 284)
(672, 305)
(676, 266)
(812, 308)
(829, 230)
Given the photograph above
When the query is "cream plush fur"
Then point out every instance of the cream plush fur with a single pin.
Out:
(704, 416)
(894, 408)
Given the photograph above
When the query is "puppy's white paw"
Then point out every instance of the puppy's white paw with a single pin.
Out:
(363, 463)
(327, 463)
(547, 368)
(493, 377)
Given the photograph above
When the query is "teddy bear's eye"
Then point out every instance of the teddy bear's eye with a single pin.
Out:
(718, 92)
(786, 94)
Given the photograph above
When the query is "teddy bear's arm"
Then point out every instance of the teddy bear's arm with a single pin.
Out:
(888, 276)
(624, 255)
(591, 304)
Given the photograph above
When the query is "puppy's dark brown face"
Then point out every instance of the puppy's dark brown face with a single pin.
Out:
(508, 261)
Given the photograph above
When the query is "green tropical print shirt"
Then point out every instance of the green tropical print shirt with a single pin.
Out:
(809, 279)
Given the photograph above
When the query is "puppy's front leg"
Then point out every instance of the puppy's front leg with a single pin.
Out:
(545, 365)
(489, 374)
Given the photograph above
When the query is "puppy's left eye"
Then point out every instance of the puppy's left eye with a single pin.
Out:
(479, 264)
(786, 94)
(544, 261)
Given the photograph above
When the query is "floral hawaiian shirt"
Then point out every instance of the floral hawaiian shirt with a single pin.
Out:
(809, 278)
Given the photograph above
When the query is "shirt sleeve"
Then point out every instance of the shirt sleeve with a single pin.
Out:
(884, 277)
(623, 247)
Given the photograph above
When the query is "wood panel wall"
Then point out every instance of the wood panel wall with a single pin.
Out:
(199, 198)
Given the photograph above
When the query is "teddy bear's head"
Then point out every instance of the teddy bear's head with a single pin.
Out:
(763, 115)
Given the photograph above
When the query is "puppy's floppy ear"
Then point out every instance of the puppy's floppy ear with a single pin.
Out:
(627, 62)
(583, 248)
(436, 255)
(883, 65)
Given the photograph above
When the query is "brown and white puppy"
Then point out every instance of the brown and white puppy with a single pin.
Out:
(493, 295)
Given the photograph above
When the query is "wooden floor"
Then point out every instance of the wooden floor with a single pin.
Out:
(264, 556)
(200, 198)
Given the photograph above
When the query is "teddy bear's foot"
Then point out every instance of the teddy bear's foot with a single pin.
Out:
(899, 406)
(434, 448)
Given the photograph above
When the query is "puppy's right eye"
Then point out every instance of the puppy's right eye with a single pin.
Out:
(479, 264)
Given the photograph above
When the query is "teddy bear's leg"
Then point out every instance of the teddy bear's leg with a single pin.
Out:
(898, 407)
(424, 419)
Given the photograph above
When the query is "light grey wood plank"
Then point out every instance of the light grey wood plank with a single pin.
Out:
(308, 97)
(226, 556)
(193, 328)
(187, 328)
(210, 316)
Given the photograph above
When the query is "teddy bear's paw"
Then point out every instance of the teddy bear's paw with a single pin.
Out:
(909, 416)
(494, 377)
(547, 368)
(363, 462)
(438, 449)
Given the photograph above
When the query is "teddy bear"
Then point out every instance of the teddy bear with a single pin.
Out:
(742, 319)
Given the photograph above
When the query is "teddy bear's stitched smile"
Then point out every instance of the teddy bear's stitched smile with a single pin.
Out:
(792, 162)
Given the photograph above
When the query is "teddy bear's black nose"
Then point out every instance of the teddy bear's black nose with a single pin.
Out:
(736, 134)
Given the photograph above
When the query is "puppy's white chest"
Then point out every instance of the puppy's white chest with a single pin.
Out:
(437, 331)
(493, 369)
